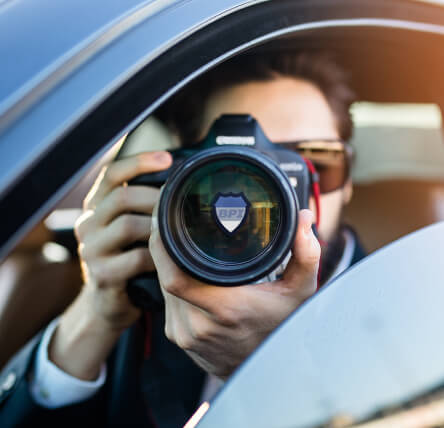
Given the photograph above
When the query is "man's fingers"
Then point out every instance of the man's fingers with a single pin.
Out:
(123, 200)
(124, 170)
(122, 266)
(175, 282)
(134, 199)
(302, 268)
(123, 231)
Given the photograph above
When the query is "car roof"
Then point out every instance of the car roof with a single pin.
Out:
(46, 45)
(54, 32)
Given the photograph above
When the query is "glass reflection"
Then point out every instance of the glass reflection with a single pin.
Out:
(366, 351)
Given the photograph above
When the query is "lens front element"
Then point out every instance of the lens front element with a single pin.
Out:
(231, 211)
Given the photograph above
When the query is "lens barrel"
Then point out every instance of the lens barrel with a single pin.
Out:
(228, 215)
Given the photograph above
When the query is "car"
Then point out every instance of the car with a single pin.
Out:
(79, 76)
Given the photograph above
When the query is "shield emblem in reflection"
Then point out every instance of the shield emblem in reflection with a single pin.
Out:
(230, 210)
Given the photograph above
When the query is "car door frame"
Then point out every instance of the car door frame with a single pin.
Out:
(115, 103)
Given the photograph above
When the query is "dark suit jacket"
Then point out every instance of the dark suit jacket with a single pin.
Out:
(161, 391)
(167, 397)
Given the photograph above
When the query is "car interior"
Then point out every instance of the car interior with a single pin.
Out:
(398, 173)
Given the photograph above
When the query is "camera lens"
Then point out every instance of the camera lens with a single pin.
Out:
(228, 216)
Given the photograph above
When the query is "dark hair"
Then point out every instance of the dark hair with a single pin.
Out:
(183, 113)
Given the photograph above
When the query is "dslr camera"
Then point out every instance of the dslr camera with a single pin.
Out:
(228, 210)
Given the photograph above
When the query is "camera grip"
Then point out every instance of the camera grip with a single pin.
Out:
(154, 179)
(144, 292)
(144, 289)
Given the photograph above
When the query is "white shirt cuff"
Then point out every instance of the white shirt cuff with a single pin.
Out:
(51, 387)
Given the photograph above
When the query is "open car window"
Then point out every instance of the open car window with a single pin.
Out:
(398, 171)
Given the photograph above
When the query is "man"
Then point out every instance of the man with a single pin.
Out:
(79, 371)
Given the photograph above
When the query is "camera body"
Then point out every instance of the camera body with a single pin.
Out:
(228, 211)
(240, 131)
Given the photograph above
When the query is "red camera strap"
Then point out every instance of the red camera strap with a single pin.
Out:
(314, 178)
(316, 192)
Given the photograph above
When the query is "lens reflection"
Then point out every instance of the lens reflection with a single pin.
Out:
(231, 210)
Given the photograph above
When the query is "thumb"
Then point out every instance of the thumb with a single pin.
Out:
(302, 270)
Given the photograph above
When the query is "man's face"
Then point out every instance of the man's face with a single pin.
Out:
(287, 109)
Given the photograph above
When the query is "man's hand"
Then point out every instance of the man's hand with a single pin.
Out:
(115, 216)
(220, 326)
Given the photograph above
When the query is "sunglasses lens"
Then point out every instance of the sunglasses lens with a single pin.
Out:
(332, 169)
(331, 165)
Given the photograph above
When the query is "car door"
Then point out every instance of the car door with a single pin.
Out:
(365, 351)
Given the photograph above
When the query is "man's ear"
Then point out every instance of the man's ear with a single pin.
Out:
(347, 192)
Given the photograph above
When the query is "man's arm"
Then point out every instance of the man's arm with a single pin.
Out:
(91, 326)
(53, 388)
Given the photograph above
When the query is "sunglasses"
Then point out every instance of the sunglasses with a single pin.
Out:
(331, 158)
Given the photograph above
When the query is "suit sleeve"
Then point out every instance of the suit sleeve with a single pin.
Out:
(51, 387)
(18, 408)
